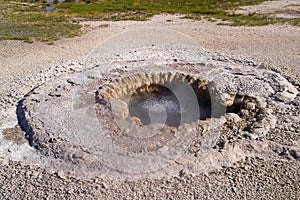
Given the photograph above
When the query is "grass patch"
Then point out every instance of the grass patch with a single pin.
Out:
(243, 20)
(101, 8)
(24, 22)
(21, 20)
(143, 9)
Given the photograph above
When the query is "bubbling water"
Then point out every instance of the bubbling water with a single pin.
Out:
(159, 104)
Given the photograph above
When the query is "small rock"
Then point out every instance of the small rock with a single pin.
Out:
(72, 82)
(262, 104)
(234, 189)
(259, 132)
(182, 173)
(103, 185)
(232, 117)
(250, 106)
(244, 113)
(137, 121)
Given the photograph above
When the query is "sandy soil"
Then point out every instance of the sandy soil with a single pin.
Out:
(276, 46)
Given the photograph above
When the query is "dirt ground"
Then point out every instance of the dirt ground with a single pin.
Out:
(276, 46)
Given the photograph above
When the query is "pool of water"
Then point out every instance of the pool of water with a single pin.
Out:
(60, 1)
(163, 106)
(156, 108)
(48, 8)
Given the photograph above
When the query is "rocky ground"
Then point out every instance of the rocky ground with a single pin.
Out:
(253, 178)
(25, 66)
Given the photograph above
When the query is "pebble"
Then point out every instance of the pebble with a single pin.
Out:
(232, 117)
(250, 106)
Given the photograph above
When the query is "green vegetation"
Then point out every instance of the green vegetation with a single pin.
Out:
(22, 20)
(170, 6)
(246, 20)
(142, 9)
